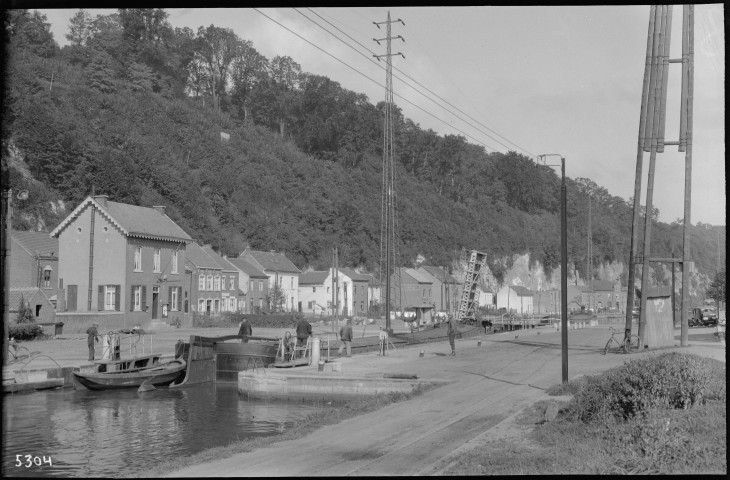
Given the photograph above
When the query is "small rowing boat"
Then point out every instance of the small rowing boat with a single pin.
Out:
(129, 373)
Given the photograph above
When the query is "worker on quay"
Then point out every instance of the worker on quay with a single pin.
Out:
(451, 325)
(92, 334)
(245, 330)
(304, 330)
(346, 338)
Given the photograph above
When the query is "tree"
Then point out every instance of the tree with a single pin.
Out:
(716, 289)
(248, 69)
(31, 31)
(80, 28)
(275, 298)
(25, 313)
(215, 50)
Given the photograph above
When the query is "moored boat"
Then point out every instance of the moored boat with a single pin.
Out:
(129, 372)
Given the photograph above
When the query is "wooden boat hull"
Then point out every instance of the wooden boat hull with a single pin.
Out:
(160, 375)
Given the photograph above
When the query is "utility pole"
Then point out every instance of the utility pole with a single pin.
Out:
(589, 268)
(388, 201)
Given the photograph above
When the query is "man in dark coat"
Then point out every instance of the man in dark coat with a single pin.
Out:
(93, 334)
(451, 325)
(304, 330)
(245, 330)
(346, 338)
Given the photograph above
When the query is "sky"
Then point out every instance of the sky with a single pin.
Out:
(538, 80)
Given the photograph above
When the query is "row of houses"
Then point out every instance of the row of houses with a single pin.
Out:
(128, 265)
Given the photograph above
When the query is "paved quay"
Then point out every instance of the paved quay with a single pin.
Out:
(488, 385)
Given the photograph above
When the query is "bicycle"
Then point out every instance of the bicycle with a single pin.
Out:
(613, 345)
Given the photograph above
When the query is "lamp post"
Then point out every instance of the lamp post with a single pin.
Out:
(563, 264)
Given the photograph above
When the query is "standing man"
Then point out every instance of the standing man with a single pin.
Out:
(452, 334)
(346, 338)
(304, 330)
(93, 334)
(245, 330)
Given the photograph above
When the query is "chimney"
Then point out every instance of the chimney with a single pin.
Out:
(160, 208)
(101, 199)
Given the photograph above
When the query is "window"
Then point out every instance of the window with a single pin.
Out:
(201, 305)
(174, 296)
(252, 289)
(47, 276)
(261, 285)
(354, 290)
(156, 266)
(138, 259)
(173, 262)
(291, 283)
(310, 305)
(209, 284)
(261, 303)
(314, 289)
(217, 283)
(110, 298)
(232, 283)
(217, 305)
(136, 298)
(362, 306)
(201, 282)
(232, 304)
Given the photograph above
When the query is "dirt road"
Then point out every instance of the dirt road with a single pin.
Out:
(488, 384)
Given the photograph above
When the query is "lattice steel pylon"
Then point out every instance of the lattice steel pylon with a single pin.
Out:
(651, 139)
(475, 262)
(388, 235)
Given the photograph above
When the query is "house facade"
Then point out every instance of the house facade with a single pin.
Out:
(120, 265)
(34, 298)
(445, 289)
(315, 292)
(410, 289)
(516, 299)
(34, 262)
(605, 296)
(279, 270)
(204, 280)
(253, 286)
(353, 292)
(229, 282)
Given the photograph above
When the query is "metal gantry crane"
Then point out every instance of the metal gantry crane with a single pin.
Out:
(467, 306)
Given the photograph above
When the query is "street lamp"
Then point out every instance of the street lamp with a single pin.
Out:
(563, 263)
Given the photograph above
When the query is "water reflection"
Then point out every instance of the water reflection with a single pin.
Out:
(110, 434)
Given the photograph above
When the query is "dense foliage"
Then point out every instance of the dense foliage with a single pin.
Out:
(134, 108)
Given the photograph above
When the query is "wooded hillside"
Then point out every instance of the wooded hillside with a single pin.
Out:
(134, 109)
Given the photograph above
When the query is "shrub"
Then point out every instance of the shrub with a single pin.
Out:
(25, 313)
(668, 381)
(25, 331)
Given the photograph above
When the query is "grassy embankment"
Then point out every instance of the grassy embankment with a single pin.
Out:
(328, 415)
(661, 415)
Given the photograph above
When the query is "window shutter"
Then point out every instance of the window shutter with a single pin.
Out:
(143, 302)
(169, 297)
(72, 295)
(131, 298)
(179, 299)
(117, 296)
(100, 300)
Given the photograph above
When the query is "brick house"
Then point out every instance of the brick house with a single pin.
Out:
(410, 289)
(604, 296)
(34, 262)
(253, 286)
(204, 280)
(229, 281)
(120, 265)
(35, 298)
(279, 269)
(445, 290)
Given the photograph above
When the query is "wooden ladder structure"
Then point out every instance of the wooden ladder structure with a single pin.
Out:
(475, 263)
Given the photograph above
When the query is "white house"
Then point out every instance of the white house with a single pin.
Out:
(279, 269)
(516, 299)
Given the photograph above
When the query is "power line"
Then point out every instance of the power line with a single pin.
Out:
(419, 84)
(374, 81)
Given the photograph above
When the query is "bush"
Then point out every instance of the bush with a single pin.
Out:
(25, 331)
(668, 381)
(25, 313)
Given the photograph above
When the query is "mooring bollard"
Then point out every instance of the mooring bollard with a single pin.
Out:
(321, 365)
(421, 355)
(479, 343)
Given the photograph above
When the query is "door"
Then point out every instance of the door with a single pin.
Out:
(155, 300)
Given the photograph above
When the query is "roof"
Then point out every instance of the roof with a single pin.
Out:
(36, 243)
(438, 273)
(522, 291)
(247, 268)
(132, 220)
(272, 261)
(313, 277)
(199, 258)
(602, 285)
(224, 264)
(357, 277)
(418, 276)
(27, 293)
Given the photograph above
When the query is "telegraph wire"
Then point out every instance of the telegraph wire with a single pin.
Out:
(418, 83)
(376, 82)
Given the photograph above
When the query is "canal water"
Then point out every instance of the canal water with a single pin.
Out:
(114, 433)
